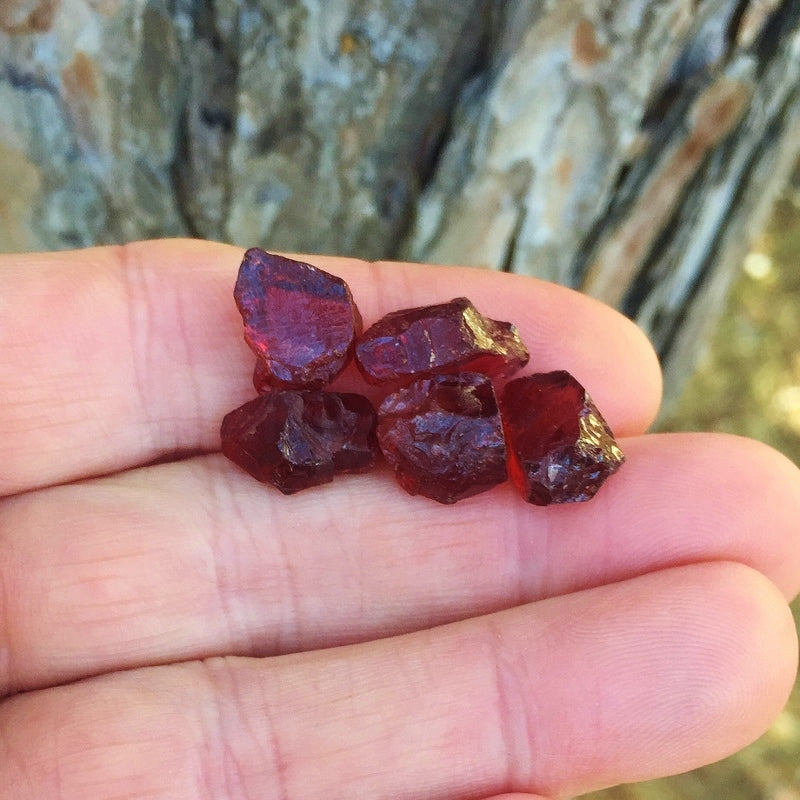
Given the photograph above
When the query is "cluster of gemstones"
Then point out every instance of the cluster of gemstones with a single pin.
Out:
(441, 425)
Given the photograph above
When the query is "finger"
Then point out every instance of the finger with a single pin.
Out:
(114, 357)
(517, 796)
(625, 682)
(194, 559)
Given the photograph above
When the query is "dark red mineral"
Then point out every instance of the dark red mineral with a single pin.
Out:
(261, 378)
(299, 438)
(560, 449)
(301, 322)
(449, 337)
(443, 436)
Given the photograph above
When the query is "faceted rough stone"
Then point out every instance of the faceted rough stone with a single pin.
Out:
(300, 321)
(443, 436)
(449, 337)
(560, 449)
(294, 439)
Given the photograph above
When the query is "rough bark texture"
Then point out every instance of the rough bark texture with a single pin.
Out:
(627, 147)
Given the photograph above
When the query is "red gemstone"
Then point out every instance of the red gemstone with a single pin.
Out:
(449, 337)
(560, 449)
(443, 436)
(300, 321)
(261, 378)
(300, 438)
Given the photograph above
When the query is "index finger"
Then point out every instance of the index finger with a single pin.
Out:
(115, 357)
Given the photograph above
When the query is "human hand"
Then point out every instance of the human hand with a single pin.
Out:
(173, 629)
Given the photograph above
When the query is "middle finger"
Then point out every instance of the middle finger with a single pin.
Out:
(193, 559)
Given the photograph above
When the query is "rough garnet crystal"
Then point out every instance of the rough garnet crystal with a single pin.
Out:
(448, 337)
(443, 436)
(560, 449)
(300, 321)
(261, 378)
(294, 439)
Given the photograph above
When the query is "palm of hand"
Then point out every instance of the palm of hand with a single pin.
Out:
(171, 629)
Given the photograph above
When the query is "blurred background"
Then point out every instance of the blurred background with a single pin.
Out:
(630, 149)
(748, 382)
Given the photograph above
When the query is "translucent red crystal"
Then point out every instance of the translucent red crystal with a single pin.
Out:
(442, 433)
(443, 436)
(560, 449)
(295, 439)
(261, 378)
(448, 337)
(300, 321)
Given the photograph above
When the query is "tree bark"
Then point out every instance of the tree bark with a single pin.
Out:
(625, 147)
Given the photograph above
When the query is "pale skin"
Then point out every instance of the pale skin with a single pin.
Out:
(171, 629)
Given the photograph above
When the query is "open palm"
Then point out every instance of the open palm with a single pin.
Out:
(171, 629)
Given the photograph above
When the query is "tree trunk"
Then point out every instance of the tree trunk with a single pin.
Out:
(626, 147)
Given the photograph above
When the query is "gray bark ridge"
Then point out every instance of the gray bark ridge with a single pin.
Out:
(632, 155)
